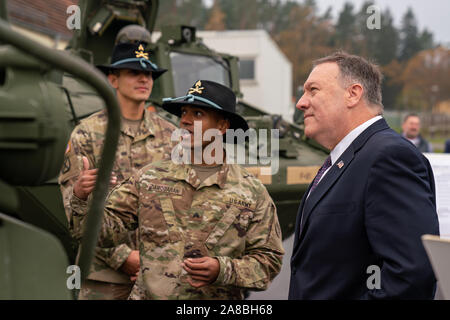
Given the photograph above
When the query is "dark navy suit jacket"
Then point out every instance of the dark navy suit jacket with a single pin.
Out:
(371, 211)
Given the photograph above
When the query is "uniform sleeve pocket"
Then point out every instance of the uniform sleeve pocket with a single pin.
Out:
(222, 226)
(157, 222)
(153, 228)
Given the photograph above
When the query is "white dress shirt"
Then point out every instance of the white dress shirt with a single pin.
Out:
(347, 141)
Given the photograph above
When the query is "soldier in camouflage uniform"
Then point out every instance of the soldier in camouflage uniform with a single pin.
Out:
(144, 138)
(205, 231)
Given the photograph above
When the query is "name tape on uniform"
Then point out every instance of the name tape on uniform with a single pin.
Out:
(240, 203)
(164, 188)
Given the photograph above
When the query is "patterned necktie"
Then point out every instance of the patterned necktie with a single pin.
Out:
(316, 180)
(320, 173)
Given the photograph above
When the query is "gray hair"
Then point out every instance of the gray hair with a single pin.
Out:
(354, 68)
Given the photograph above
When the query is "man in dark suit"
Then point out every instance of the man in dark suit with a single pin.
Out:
(359, 224)
(411, 132)
(447, 146)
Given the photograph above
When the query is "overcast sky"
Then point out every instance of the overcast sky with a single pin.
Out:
(432, 14)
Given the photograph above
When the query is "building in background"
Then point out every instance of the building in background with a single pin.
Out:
(265, 72)
(42, 20)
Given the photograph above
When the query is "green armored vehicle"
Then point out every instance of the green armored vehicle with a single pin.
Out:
(44, 94)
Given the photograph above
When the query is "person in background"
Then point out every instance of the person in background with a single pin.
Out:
(411, 132)
(447, 146)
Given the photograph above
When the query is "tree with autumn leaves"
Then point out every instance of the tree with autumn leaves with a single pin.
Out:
(426, 79)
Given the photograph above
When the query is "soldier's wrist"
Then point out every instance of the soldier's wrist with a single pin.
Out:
(119, 256)
(78, 205)
(225, 276)
(80, 195)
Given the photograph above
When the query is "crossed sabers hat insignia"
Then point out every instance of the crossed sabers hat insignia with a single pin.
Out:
(141, 53)
(198, 89)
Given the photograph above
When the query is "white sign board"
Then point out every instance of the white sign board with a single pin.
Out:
(441, 169)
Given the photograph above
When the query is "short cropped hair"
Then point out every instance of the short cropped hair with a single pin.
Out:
(409, 115)
(354, 68)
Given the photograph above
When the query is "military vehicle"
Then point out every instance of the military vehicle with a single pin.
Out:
(45, 93)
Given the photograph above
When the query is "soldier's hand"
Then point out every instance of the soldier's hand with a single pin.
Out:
(131, 265)
(86, 181)
(203, 271)
(134, 277)
(113, 180)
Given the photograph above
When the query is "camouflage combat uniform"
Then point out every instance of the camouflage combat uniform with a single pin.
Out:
(135, 150)
(229, 215)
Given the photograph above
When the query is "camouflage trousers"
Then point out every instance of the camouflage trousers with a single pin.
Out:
(99, 290)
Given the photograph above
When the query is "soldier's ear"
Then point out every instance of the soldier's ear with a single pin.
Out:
(223, 125)
(113, 80)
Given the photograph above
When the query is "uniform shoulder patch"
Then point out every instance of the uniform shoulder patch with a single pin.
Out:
(66, 165)
(69, 147)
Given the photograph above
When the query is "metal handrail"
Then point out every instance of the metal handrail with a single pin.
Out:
(83, 70)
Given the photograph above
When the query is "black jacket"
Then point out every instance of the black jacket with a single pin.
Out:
(371, 211)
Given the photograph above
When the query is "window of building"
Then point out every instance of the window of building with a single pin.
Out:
(247, 69)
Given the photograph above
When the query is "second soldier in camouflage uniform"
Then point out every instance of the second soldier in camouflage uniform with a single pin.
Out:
(205, 231)
(144, 138)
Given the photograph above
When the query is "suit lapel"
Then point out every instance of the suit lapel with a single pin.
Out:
(299, 218)
(326, 183)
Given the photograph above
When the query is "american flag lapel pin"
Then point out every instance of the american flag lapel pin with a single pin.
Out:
(340, 164)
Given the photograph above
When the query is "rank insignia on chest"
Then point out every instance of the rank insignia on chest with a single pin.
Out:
(164, 189)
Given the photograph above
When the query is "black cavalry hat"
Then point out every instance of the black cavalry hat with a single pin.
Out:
(132, 56)
(209, 95)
